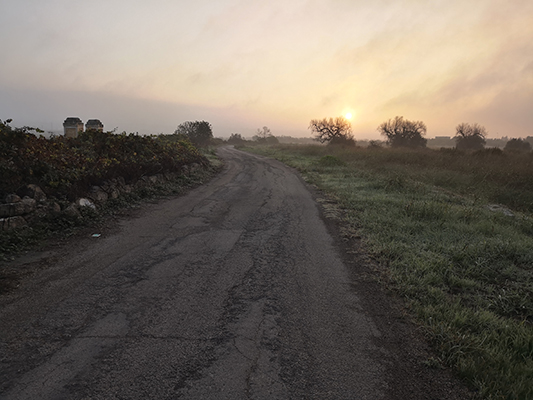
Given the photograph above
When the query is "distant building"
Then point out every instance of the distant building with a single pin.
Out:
(72, 126)
(94, 124)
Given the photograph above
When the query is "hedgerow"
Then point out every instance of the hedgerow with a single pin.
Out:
(68, 167)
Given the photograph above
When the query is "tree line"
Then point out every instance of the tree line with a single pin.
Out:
(200, 133)
(400, 132)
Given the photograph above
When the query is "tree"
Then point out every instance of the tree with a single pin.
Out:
(236, 138)
(263, 133)
(326, 130)
(271, 140)
(517, 145)
(199, 133)
(470, 136)
(404, 133)
(264, 136)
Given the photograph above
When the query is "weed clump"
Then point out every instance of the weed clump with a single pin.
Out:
(330, 161)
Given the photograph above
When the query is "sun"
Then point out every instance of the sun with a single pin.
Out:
(348, 115)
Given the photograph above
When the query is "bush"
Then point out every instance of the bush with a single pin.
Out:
(236, 139)
(67, 167)
(343, 141)
(198, 132)
(517, 145)
(375, 144)
(331, 161)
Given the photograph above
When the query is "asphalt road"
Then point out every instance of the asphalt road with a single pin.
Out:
(234, 291)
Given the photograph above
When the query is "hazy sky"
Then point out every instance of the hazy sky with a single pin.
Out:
(147, 66)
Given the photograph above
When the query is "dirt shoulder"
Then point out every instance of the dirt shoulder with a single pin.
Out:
(413, 372)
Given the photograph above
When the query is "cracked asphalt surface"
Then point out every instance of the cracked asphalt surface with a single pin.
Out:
(235, 291)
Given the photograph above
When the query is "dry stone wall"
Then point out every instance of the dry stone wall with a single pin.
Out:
(31, 204)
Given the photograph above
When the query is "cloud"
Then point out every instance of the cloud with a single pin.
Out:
(436, 60)
(46, 109)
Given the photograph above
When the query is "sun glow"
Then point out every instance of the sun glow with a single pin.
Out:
(348, 115)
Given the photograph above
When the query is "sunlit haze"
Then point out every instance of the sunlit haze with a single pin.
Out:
(146, 67)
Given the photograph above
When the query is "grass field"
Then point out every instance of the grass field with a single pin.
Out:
(454, 232)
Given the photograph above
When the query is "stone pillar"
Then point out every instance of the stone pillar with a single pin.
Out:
(72, 126)
(94, 124)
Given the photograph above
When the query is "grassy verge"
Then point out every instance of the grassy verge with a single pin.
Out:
(465, 271)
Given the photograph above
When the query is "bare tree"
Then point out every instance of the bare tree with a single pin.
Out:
(470, 136)
(404, 133)
(263, 133)
(326, 130)
(264, 136)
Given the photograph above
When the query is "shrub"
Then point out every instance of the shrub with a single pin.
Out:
(375, 144)
(198, 132)
(343, 141)
(517, 145)
(330, 161)
(67, 167)
(236, 139)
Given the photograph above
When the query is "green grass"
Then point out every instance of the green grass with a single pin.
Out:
(465, 272)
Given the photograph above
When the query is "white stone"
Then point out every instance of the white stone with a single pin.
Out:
(83, 202)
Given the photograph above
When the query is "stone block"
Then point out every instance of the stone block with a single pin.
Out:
(98, 195)
(72, 211)
(54, 208)
(29, 204)
(111, 188)
(13, 198)
(12, 209)
(7, 224)
(33, 191)
(82, 202)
